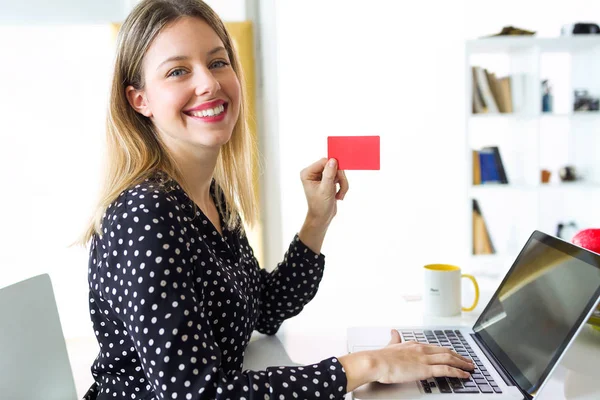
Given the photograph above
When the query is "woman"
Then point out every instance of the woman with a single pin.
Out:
(175, 290)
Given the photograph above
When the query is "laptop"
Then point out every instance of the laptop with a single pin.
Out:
(34, 362)
(528, 325)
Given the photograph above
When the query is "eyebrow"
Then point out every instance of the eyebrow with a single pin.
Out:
(181, 58)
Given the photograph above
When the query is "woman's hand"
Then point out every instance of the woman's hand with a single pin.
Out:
(320, 182)
(412, 361)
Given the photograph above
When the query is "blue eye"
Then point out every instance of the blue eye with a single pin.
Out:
(176, 71)
(219, 64)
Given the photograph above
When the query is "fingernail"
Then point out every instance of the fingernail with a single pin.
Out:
(392, 332)
(331, 163)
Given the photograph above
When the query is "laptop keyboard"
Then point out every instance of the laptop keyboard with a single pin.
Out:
(480, 381)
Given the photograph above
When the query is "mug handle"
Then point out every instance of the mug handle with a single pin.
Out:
(476, 301)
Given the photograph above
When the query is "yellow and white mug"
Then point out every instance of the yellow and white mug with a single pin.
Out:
(442, 293)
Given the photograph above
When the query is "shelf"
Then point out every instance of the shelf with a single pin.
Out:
(574, 115)
(510, 44)
(492, 187)
(503, 116)
(531, 140)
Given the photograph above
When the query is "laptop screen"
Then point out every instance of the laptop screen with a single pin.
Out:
(539, 306)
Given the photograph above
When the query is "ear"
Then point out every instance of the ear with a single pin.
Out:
(137, 99)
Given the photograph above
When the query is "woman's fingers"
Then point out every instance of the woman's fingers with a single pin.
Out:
(343, 182)
(445, 370)
(395, 337)
(433, 349)
(450, 360)
(314, 171)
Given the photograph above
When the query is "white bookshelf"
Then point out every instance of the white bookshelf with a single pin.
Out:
(530, 140)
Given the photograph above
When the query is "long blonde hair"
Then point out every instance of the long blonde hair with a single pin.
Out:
(134, 149)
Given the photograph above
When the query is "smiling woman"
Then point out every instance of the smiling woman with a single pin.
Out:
(242, 36)
(175, 290)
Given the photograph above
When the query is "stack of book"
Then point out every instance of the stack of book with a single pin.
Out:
(493, 94)
(482, 243)
(488, 166)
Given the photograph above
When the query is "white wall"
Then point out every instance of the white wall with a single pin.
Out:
(377, 70)
(92, 11)
(386, 68)
(54, 81)
(229, 10)
(62, 11)
(332, 67)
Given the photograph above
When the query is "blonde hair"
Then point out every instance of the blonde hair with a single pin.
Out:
(134, 149)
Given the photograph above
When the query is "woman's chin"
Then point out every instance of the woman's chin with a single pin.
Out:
(213, 142)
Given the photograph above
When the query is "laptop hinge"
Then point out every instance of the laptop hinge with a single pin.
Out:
(501, 371)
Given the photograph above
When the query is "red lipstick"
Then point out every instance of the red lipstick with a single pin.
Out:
(219, 105)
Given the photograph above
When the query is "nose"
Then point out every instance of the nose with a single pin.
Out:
(206, 83)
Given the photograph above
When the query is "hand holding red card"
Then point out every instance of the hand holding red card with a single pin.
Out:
(354, 152)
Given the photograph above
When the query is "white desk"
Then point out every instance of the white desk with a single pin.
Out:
(319, 332)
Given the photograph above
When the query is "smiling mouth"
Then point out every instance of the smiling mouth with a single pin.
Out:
(209, 112)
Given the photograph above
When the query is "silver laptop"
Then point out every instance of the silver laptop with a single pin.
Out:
(537, 311)
(34, 362)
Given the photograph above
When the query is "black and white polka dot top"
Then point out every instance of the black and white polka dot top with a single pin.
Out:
(174, 304)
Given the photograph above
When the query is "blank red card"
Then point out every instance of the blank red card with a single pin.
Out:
(354, 152)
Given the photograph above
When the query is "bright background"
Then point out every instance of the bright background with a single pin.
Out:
(328, 67)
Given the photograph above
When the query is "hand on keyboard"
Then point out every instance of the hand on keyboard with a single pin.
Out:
(412, 361)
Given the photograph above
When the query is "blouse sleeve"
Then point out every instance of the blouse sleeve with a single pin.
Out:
(147, 278)
(292, 285)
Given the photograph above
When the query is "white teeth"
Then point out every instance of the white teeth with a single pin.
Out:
(211, 112)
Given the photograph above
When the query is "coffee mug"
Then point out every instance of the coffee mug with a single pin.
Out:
(442, 290)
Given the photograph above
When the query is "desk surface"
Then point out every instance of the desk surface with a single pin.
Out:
(319, 332)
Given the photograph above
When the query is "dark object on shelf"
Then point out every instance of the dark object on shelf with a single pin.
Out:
(512, 31)
(584, 102)
(546, 175)
(546, 96)
(580, 28)
(566, 231)
(568, 173)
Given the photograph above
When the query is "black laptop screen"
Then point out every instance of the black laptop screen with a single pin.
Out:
(539, 306)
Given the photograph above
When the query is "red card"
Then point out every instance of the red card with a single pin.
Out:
(354, 152)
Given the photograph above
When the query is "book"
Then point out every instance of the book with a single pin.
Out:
(478, 106)
(482, 243)
(504, 89)
(476, 168)
(494, 94)
(495, 89)
(486, 91)
(489, 170)
(499, 166)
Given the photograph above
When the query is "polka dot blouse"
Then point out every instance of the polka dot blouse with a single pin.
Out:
(174, 304)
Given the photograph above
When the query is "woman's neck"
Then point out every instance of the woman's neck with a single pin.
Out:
(197, 170)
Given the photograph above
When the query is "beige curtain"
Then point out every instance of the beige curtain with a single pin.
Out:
(242, 34)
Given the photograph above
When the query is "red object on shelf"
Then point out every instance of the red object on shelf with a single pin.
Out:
(588, 239)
